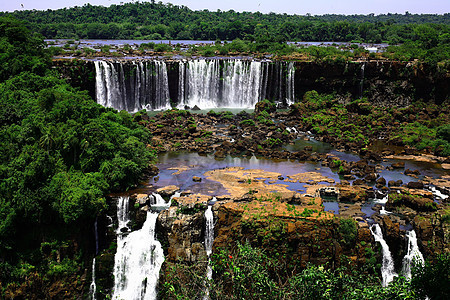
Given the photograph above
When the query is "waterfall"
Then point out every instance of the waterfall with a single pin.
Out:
(290, 93)
(206, 83)
(93, 286)
(140, 85)
(139, 254)
(412, 255)
(221, 83)
(181, 81)
(209, 232)
(363, 66)
(387, 268)
(209, 239)
(137, 262)
(158, 203)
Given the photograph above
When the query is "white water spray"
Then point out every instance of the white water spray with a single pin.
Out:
(413, 254)
(93, 286)
(387, 267)
(137, 262)
(209, 239)
(144, 86)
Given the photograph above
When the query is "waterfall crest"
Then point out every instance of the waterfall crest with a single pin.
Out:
(413, 254)
(387, 267)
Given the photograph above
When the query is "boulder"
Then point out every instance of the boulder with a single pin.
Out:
(196, 179)
(381, 182)
(398, 165)
(395, 183)
(168, 191)
(415, 185)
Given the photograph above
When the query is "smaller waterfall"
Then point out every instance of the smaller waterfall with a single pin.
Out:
(158, 203)
(361, 83)
(209, 232)
(122, 214)
(93, 286)
(412, 255)
(209, 239)
(290, 95)
(387, 268)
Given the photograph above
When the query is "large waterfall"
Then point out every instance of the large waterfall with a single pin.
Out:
(143, 85)
(387, 267)
(413, 254)
(138, 258)
(216, 83)
(206, 83)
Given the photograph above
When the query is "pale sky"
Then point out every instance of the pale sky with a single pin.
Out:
(299, 7)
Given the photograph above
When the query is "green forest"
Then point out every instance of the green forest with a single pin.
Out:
(410, 36)
(61, 153)
(150, 20)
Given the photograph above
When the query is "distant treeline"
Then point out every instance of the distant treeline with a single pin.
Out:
(150, 20)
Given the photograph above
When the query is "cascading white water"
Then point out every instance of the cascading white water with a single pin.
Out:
(137, 262)
(387, 267)
(437, 193)
(93, 286)
(208, 84)
(413, 254)
(181, 82)
(139, 254)
(242, 84)
(361, 83)
(209, 239)
(231, 83)
(290, 96)
(143, 85)
(209, 232)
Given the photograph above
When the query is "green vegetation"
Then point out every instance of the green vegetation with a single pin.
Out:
(424, 37)
(61, 153)
(348, 230)
(249, 273)
(424, 126)
(150, 20)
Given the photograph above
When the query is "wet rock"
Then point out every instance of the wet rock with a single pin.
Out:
(381, 182)
(142, 199)
(398, 165)
(352, 193)
(168, 191)
(394, 183)
(196, 179)
(370, 177)
(359, 182)
(415, 185)
(349, 177)
(181, 235)
(196, 107)
(411, 172)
